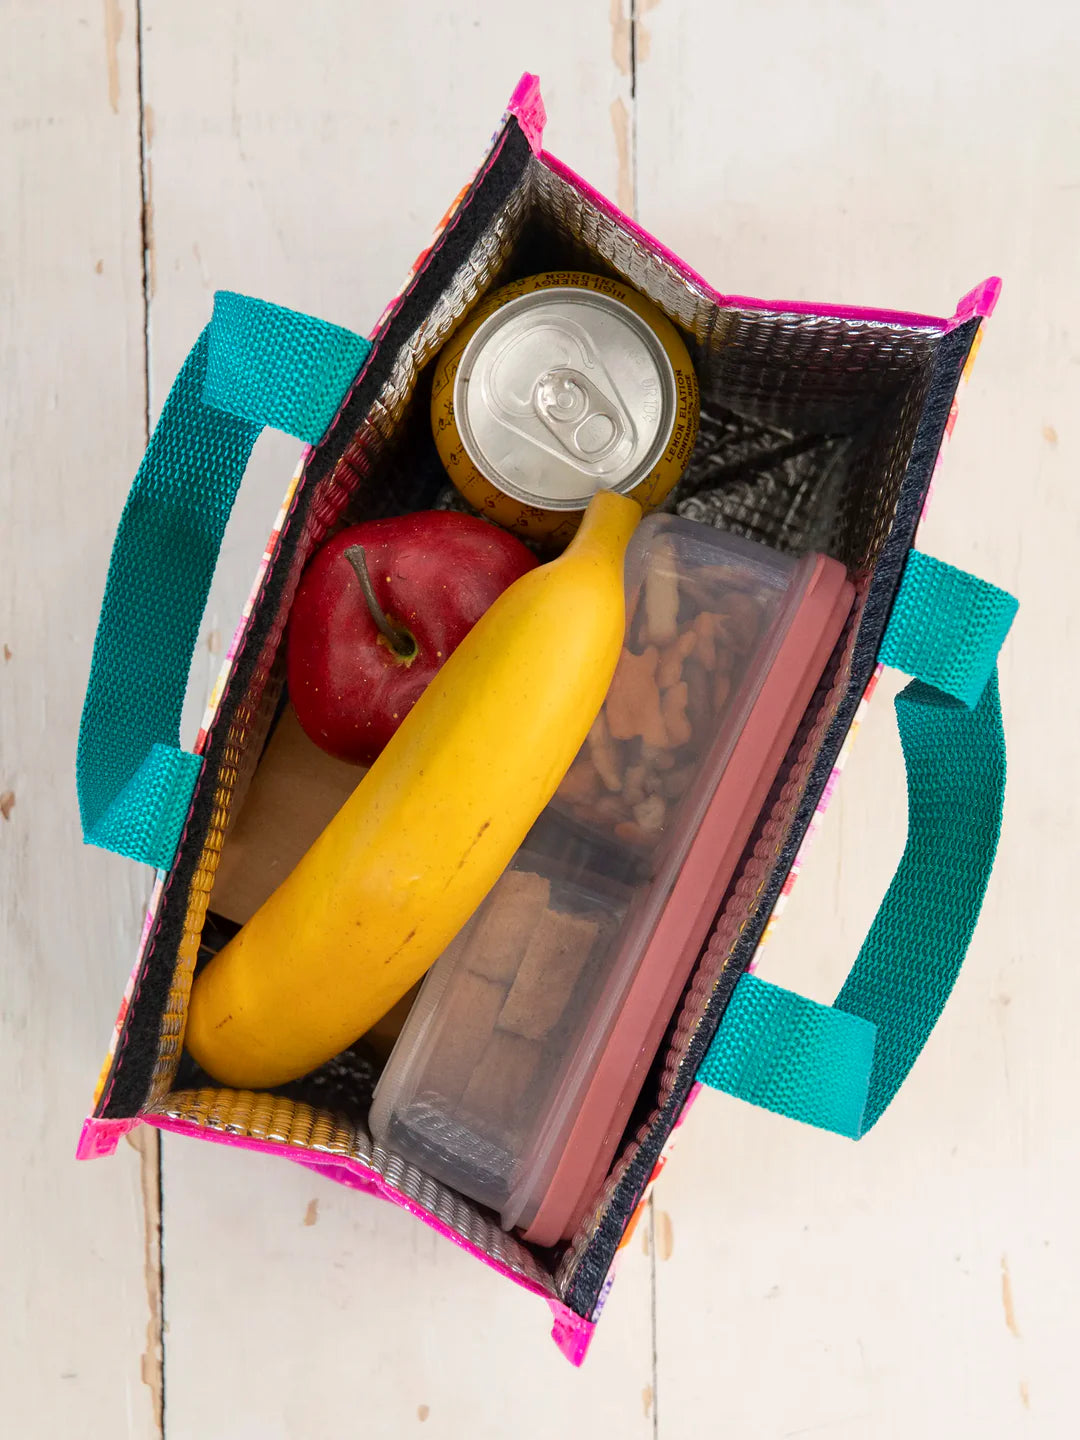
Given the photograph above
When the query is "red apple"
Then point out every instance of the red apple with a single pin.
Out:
(378, 610)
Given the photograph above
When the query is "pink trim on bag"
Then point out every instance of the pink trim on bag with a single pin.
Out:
(571, 1333)
(978, 302)
(345, 1172)
(739, 302)
(527, 106)
(101, 1137)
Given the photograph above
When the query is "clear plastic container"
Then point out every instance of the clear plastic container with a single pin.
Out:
(518, 1067)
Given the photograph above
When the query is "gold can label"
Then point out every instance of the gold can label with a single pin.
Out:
(559, 385)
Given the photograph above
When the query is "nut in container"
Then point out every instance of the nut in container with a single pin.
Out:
(700, 613)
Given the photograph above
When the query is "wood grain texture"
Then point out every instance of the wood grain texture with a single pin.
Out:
(787, 1283)
(297, 1308)
(922, 1282)
(79, 1316)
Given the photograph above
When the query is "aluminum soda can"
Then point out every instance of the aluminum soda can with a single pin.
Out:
(558, 386)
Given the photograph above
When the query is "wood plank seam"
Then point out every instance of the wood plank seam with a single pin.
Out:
(150, 1148)
(654, 1407)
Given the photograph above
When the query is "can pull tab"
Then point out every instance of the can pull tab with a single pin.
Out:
(578, 414)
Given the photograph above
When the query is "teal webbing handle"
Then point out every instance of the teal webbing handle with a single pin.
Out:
(839, 1066)
(255, 364)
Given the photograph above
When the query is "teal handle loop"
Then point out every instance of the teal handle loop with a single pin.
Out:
(255, 364)
(839, 1066)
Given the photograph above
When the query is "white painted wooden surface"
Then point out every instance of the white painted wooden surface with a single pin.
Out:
(919, 1283)
(75, 1305)
(924, 1281)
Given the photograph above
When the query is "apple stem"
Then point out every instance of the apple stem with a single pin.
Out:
(397, 637)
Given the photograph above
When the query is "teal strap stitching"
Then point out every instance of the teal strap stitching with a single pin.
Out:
(785, 1053)
(791, 1055)
(915, 947)
(278, 368)
(947, 628)
(255, 364)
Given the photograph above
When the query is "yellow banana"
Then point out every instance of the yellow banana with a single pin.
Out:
(428, 831)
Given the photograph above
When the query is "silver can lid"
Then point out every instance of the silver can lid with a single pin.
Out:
(564, 392)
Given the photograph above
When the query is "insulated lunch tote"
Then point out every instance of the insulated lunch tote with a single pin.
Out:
(821, 427)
